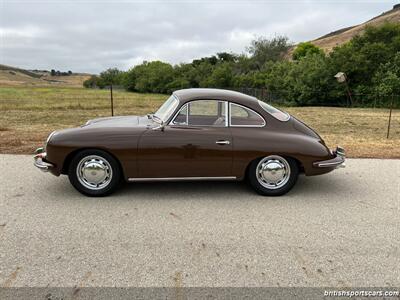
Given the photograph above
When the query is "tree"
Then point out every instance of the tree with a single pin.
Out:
(304, 49)
(111, 76)
(387, 78)
(226, 57)
(306, 82)
(177, 84)
(150, 77)
(221, 77)
(262, 50)
(185, 76)
(364, 54)
(128, 80)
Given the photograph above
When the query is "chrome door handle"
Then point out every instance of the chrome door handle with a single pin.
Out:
(222, 142)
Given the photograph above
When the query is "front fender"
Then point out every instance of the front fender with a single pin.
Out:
(121, 143)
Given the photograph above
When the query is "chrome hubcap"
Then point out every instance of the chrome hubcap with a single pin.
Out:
(273, 172)
(94, 172)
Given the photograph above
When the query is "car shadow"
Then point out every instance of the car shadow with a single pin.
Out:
(318, 187)
(185, 188)
(305, 186)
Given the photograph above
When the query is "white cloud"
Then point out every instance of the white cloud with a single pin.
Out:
(90, 36)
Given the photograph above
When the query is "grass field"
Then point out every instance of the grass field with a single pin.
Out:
(29, 114)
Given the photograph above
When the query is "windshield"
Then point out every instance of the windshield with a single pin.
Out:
(276, 113)
(165, 111)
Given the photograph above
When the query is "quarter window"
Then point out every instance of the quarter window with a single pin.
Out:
(181, 117)
(202, 113)
(276, 113)
(243, 116)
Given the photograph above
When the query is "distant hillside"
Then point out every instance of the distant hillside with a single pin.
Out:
(12, 76)
(341, 36)
(25, 72)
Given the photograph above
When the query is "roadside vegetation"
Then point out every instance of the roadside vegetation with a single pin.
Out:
(302, 76)
(29, 114)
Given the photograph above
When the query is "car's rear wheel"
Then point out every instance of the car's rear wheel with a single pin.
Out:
(94, 173)
(273, 175)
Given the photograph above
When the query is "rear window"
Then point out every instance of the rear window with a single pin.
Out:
(276, 113)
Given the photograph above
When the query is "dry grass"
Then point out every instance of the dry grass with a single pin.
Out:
(361, 131)
(28, 115)
(13, 78)
(327, 43)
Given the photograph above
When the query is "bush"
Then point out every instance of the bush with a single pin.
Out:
(149, 77)
(93, 82)
(304, 49)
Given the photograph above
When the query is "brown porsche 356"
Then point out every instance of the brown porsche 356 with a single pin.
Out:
(196, 134)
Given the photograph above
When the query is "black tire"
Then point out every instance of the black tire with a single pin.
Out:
(110, 162)
(276, 191)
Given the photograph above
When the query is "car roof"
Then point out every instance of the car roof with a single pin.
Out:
(214, 94)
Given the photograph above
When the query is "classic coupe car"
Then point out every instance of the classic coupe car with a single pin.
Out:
(197, 134)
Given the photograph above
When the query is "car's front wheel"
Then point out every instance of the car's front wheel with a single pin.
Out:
(94, 173)
(273, 175)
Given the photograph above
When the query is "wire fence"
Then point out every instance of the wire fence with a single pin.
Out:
(325, 99)
(74, 106)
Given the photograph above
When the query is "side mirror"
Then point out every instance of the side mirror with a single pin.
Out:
(159, 127)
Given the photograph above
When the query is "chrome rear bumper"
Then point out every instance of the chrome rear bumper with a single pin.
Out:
(337, 162)
(39, 160)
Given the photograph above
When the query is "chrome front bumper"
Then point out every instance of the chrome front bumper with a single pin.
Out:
(39, 160)
(337, 162)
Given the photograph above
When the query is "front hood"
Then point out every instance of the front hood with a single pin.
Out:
(101, 129)
(121, 121)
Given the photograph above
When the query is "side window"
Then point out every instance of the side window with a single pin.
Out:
(243, 116)
(202, 113)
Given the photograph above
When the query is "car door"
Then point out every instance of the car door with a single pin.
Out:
(196, 143)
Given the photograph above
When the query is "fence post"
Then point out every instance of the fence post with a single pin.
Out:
(349, 93)
(112, 100)
(390, 116)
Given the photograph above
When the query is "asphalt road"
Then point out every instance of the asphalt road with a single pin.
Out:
(340, 229)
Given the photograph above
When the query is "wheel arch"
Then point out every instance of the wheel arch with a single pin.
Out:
(70, 156)
(299, 163)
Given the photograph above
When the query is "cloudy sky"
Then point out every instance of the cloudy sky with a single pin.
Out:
(90, 36)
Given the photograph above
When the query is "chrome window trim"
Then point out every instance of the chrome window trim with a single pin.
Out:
(245, 107)
(171, 123)
(226, 114)
(283, 112)
(177, 101)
